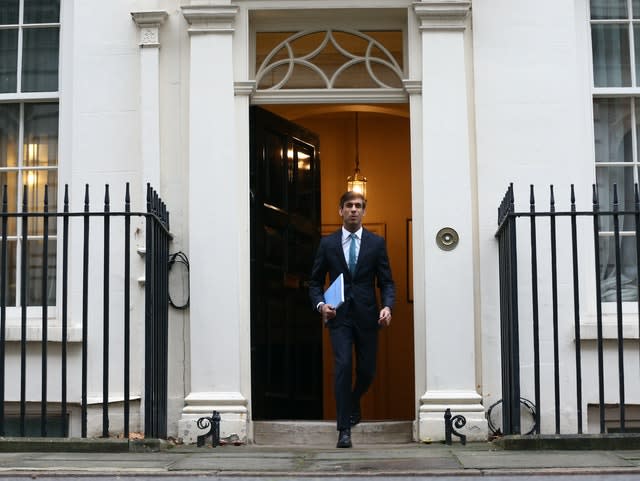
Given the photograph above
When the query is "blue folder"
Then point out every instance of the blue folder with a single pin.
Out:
(334, 295)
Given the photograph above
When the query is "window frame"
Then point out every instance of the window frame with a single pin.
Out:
(632, 95)
(21, 99)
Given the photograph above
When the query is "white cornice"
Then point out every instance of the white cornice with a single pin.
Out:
(442, 14)
(150, 18)
(206, 18)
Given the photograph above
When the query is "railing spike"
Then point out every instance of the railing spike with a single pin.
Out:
(86, 198)
(595, 194)
(66, 198)
(512, 199)
(25, 192)
(573, 195)
(4, 198)
(532, 199)
(127, 196)
(106, 195)
(552, 199)
(615, 197)
(148, 197)
(637, 195)
(46, 197)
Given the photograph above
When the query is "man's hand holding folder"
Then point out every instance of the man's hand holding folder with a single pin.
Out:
(333, 298)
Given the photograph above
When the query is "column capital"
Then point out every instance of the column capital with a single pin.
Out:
(244, 87)
(412, 87)
(210, 18)
(149, 23)
(442, 14)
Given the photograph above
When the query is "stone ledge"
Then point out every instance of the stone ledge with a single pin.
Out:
(80, 445)
(570, 442)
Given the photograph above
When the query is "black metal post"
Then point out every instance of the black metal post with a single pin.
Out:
(616, 238)
(149, 399)
(105, 318)
(534, 305)
(65, 308)
(596, 248)
(3, 306)
(43, 294)
(637, 224)
(127, 302)
(509, 315)
(554, 295)
(85, 311)
(23, 306)
(576, 309)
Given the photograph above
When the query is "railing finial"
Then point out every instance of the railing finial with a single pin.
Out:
(86, 198)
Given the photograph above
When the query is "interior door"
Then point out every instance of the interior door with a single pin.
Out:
(286, 335)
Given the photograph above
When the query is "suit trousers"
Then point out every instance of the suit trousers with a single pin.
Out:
(345, 338)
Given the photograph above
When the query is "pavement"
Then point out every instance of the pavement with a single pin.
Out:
(400, 461)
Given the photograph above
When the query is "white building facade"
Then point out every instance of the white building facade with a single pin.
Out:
(493, 92)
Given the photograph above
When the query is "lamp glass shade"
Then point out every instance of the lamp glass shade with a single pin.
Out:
(357, 183)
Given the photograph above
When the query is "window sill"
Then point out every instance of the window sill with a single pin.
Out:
(34, 333)
(589, 327)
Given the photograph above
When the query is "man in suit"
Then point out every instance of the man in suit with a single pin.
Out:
(361, 256)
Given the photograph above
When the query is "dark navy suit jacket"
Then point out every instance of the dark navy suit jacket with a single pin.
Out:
(360, 306)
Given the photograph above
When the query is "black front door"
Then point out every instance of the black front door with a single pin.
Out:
(286, 335)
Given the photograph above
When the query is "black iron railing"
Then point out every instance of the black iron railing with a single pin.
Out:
(581, 238)
(156, 307)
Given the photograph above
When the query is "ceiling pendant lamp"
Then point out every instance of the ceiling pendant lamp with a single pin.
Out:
(357, 182)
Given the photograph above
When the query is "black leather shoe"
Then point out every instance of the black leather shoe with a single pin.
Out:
(355, 418)
(344, 438)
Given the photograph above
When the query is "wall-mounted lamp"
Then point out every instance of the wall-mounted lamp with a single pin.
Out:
(357, 182)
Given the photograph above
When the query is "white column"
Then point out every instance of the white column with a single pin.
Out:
(149, 23)
(447, 287)
(215, 229)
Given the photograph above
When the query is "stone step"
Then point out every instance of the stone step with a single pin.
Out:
(324, 432)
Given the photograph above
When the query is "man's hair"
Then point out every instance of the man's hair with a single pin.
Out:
(351, 195)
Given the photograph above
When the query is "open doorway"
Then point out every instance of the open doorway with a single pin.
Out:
(384, 153)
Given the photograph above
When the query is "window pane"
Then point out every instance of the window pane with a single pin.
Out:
(9, 120)
(608, 9)
(622, 177)
(34, 272)
(9, 12)
(611, 60)
(40, 135)
(8, 60)
(612, 129)
(36, 180)
(40, 59)
(636, 8)
(41, 11)
(628, 272)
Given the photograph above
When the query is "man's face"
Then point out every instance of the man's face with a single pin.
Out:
(352, 213)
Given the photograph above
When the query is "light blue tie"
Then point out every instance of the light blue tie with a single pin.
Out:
(352, 254)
